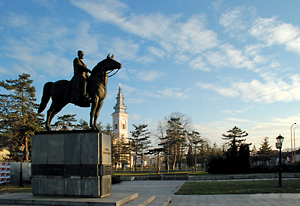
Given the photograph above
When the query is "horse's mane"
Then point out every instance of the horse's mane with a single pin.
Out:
(99, 65)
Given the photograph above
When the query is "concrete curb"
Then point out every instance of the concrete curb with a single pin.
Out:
(29, 199)
(147, 202)
(127, 199)
(221, 177)
(167, 202)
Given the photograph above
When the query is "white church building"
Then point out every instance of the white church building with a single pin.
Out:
(120, 120)
(120, 125)
(120, 116)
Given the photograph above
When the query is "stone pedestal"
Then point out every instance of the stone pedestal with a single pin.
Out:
(75, 163)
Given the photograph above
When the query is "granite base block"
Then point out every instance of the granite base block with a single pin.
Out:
(73, 163)
(72, 186)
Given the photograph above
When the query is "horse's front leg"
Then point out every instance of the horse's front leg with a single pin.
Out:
(93, 112)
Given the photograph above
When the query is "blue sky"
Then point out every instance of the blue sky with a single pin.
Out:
(223, 63)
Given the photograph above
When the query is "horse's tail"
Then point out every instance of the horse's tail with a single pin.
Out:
(46, 96)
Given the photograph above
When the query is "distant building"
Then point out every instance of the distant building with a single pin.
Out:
(286, 158)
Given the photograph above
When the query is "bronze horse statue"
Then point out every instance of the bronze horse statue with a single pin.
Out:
(60, 92)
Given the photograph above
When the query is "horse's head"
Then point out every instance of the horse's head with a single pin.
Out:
(106, 65)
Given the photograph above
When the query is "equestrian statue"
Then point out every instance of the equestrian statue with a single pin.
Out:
(83, 90)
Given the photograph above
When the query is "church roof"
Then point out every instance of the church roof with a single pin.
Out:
(120, 107)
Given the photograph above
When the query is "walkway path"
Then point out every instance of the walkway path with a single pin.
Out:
(164, 190)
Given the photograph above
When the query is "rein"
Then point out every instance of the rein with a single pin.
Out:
(113, 73)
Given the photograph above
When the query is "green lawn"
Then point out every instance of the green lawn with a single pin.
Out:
(14, 188)
(239, 187)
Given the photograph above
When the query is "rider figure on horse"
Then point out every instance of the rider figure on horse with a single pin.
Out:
(79, 80)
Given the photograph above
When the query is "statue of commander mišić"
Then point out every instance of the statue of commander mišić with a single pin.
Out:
(79, 80)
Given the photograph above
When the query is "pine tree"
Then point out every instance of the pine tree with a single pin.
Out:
(65, 123)
(177, 136)
(196, 142)
(140, 141)
(117, 150)
(83, 125)
(265, 152)
(164, 142)
(235, 138)
(156, 151)
(237, 155)
(18, 117)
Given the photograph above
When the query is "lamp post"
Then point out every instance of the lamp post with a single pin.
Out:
(279, 142)
(21, 155)
(292, 138)
(295, 142)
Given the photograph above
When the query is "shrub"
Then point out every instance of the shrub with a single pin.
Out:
(115, 179)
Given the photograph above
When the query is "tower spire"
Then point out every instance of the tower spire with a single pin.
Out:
(120, 106)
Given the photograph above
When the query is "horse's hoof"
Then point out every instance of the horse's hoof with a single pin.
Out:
(93, 128)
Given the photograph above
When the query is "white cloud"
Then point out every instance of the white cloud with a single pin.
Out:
(228, 56)
(237, 120)
(106, 10)
(27, 53)
(157, 52)
(199, 63)
(257, 130)
(173, 93)
(135, 116)
(124, 49)
(122, 74)
(145, 59)
(272, 31)
(175, 37)
(217, 4)
(5, 71)
(273, 90)
(15, 20)
(236, 20)
(149, 76)
(164, 93)
(148, 121)
(234, 112)
(232, 19)
(193, 37)
(128, 89)
(84, 40)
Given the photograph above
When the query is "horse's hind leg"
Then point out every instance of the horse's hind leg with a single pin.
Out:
(54, 109)
(49, 118)
(99, 106)
(93, 113)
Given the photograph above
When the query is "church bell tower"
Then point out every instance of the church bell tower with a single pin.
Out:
(120, 117)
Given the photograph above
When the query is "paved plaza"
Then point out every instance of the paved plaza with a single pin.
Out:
(164, 190)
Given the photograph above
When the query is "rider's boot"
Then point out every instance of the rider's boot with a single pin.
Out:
(85, 96)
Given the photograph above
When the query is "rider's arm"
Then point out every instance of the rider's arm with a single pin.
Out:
(80, 67)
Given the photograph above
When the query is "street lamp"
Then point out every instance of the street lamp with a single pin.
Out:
(279, 142)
